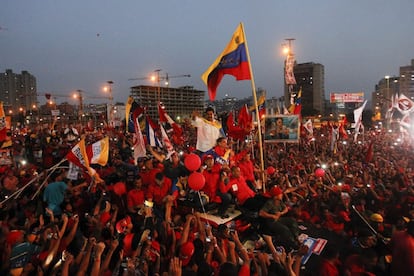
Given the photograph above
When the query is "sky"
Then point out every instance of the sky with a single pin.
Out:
(77, 44)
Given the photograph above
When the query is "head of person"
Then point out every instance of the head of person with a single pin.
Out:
(222, 142)
(235, 171)
(276, 193)
(138, 182)
(159, 178)
(208, 161)
(210, 114)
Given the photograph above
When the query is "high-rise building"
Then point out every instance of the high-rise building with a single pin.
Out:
(386, 89)
(407, 80)
(18, 91)
(179, 102)
(311, 77)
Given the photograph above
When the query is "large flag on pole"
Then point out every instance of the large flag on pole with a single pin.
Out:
(232, 61)
(177, 135)
(132, 110)
(138, 141)
(289, 75)
(405, 105)
(358, 119)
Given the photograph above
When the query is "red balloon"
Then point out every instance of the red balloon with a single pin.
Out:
(196, 181)
(270, 170)
(319, 172)
(119, 188)
(192, 162)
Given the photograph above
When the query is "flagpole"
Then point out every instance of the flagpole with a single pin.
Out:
(256, 109)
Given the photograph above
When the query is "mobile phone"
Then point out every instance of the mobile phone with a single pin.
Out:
(279, 249)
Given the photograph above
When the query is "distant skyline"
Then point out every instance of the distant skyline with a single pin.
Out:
(71, 45)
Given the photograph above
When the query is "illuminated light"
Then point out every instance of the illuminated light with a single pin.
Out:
(324, 166)
(339, 183)
(344, 142)
(313, 139)
(395, 144)
(322, 135)
(336, 163)
(390, 130)
(359, 142)
(399, 140)
(23, 162)
(181, 153)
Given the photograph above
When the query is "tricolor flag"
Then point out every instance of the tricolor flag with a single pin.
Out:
(308, 126)
(98, 152)
(177, 135)
(232, 61)
(152, 138)
(132, 110)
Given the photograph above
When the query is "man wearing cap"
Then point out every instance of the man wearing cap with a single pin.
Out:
(208, 130)
(272, 212)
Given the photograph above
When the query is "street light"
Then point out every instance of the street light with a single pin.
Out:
(157, 79)
(79, 96)
(108, 89)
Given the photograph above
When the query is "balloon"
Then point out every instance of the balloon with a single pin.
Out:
(319, 172)
(270, 170)
(196, 181)
(192, 162)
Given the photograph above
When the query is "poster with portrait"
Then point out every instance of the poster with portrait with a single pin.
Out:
(282, 128)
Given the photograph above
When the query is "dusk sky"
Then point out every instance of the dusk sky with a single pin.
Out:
(70, 45)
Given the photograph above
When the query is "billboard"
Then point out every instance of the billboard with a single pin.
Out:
(282, 128)
(357, 97)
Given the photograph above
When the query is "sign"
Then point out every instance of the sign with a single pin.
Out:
(282, 128)
(55, 112)
(357, 97)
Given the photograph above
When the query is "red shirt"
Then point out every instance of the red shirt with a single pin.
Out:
(402, 246)
(239, 188)
(135, 197)
(157, 192)
(247, 170)
(212, 179)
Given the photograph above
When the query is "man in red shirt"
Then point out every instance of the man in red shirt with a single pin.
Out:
(159, 191)
(402, 246)
(136, 196)
(211, 173)
(236, 184)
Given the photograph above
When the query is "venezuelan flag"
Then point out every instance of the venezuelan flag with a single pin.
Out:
(232, 61)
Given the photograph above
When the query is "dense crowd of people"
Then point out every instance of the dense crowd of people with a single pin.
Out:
(141, 217)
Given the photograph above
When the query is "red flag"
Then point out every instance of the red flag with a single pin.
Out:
(244, 120)
(234, 131)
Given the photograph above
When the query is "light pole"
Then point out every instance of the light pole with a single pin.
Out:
(111, 100)
(157, 79)
(79, 96)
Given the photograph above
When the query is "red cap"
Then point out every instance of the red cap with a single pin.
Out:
(105, 217)
(186, 252)
(275, 191)
(207, 156)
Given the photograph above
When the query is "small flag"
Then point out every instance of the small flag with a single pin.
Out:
(404, 104)
(152, 138)
(244, 120)
(138, 141)
(358, 119)
(289, 75)
(98, 152)
(232, 61)
(78, 156)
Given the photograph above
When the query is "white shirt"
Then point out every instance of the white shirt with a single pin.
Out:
(207, 133)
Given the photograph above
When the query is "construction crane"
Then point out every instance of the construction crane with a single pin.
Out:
(158, 78)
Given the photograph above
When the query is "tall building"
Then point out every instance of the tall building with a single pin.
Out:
(18, 91)
(179, 102)
(407, 80)
(387, 88)
(311, 77)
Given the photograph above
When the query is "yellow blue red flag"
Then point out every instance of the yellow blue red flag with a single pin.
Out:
(232, 61)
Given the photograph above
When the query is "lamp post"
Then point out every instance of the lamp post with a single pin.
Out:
(157, 79)
(79, 96)
(108, 89)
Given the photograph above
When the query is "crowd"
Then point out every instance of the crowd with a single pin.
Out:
(141, 217)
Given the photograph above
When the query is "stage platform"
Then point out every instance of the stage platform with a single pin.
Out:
(216, 220)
